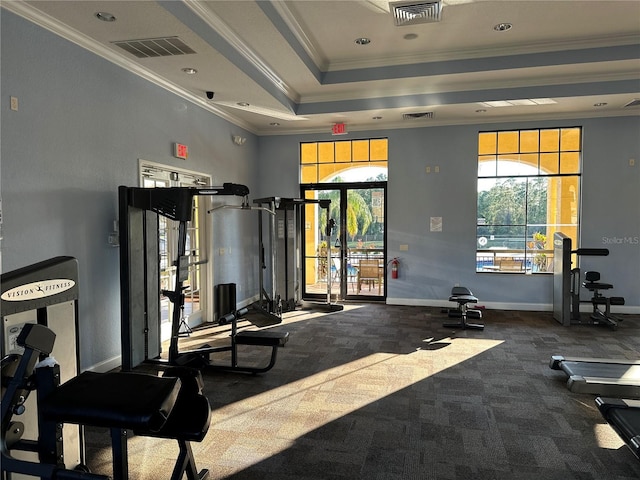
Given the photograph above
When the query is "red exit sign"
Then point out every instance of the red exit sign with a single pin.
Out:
(180, 151)
(339, 129)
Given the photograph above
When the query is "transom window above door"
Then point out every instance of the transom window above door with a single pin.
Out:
(343, 161)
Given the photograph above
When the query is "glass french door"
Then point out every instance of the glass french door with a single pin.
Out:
(349, 260)
(156, 176)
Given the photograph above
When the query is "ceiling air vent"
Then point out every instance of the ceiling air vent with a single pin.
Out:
(413, 13)
(633, 103)
(413, 116)
(155, 47)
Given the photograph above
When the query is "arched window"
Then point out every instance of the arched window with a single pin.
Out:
(343, 161)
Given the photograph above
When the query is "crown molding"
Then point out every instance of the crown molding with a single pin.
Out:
(303, 39)
(221, 28)
(47, 22)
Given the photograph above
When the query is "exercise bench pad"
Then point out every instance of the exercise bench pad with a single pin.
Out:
(119, 399)
(262, 337)
(189, 420)
(463, 299)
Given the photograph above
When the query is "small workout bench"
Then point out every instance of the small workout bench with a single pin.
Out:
(266, 338)
(593, 284)
(463, 296)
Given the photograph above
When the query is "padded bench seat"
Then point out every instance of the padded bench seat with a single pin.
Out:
(611, 300)
(463, 299)
(170, 407)
(122, 400)
(262, 337)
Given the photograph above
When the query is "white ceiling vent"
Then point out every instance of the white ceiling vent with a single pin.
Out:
(155, 47)
(414, 116)
(413, 13)
(633, 103)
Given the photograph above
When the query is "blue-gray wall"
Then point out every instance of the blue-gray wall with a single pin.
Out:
(436, 261)
(81, 128)
(83, 123)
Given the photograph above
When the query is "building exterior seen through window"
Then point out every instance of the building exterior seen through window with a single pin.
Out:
(353, 175)
(528, 189)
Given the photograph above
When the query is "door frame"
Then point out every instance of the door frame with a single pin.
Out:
(203, 268)
(343, 188)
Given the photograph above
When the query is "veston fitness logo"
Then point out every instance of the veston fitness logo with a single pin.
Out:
(35, 290)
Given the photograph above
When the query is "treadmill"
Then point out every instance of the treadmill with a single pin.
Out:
(607, 377)
(624, 417)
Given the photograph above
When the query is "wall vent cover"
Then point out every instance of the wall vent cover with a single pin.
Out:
(155, 47)
(633, 103)
(413, 116)
(413, 13)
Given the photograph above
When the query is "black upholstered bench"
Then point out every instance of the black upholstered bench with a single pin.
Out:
(166, 407)
(262, 337)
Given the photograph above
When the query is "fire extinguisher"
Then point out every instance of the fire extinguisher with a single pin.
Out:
(395, 263)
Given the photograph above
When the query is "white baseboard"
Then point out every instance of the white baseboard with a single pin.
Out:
(527, 307)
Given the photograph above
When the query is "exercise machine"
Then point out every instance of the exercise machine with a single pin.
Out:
(259, 312)
(43, 455)
(280, 252)
(593, 284)
(328, 305)
(624, 417)
(44, 293)
(463, 297)
(139, 277)
(170, 407)
(612, 378)
(201, 357)
(567, 284)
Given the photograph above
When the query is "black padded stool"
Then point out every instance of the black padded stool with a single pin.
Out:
(593, 284)
(463, 296)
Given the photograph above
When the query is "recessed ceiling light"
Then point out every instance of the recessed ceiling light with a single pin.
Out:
(600, 104)
(243, 104)
(274, 124)
(518, 102)
(363, 41)
(190, 71)
(410, 36)
(105, 16)
(502, 27)
(497, 103)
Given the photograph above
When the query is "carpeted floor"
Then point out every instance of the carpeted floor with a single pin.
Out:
(385, 392)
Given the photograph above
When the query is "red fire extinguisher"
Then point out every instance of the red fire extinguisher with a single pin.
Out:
(395, 263)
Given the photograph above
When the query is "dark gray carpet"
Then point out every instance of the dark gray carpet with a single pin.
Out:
(385, 392)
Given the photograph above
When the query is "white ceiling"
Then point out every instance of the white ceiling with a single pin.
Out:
(296, 62)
